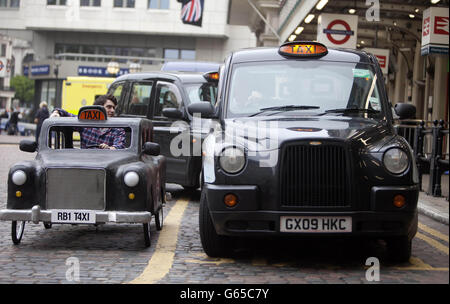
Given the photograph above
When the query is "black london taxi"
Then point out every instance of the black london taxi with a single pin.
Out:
(163, 98)
(69, 183)
(305, 145)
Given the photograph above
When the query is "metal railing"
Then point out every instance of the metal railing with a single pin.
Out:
(429, 141)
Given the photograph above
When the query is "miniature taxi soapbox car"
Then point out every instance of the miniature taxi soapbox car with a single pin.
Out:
(71, 183)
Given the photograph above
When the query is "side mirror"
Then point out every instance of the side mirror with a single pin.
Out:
(152, 149)
(205, 108)
(172, 113)
(28, 145)
(405, 110)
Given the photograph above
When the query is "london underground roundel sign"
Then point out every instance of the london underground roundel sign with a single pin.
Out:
(334, 30)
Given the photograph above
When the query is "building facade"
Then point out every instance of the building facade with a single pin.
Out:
(80, 37)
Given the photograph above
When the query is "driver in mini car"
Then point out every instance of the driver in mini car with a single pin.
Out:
(102, 138)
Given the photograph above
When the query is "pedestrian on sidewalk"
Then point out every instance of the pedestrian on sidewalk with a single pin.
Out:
(13, 121)
(3, 114)
(41, 115)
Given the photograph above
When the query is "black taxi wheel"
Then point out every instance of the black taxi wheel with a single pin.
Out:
(47, 225)
(213, 244)
(17, 229)
(147, 234)
(399, 249)
(159, 218)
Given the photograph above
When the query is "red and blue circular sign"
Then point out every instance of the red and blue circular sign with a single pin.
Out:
(347, 33)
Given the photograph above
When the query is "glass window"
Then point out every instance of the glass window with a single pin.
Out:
(3, 50)
(124, 3)
(65, 137)
(116, 90)
(15, 3)
(328, 85)
(188, 54)
(167, 96)
(140, 99)
(171, 53)
(158, 4)
(202, 92)
(56, 2)
(3, 3)
(90, 2)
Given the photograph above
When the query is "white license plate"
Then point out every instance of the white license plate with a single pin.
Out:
(73, 216)
(329, 224)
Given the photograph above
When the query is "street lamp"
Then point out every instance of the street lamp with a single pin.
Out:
(113, 68)
(135, 67)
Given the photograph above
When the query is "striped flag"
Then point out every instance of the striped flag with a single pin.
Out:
(192, 11)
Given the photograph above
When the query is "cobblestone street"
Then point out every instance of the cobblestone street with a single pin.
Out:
(115, 253)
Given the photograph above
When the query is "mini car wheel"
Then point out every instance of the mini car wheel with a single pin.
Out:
(17, 229)
(47, 225)
(159, 218)
(213, 244)
(147, 234)
(399, 249)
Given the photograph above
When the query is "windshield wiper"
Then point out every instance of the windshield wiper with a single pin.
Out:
(352, 110)
(285, 109)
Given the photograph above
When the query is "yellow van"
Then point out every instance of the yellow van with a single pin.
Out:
(82, 91)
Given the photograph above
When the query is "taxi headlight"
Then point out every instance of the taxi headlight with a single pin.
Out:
(131, 179)
(19, 177)
(232, 160)
(396, 161)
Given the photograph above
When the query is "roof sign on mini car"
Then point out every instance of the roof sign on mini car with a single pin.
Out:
(303, 49)
(92, 113)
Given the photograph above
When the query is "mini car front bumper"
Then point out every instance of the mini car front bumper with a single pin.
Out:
(37, 215)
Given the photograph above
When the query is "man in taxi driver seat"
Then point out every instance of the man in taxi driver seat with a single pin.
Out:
(102, 138)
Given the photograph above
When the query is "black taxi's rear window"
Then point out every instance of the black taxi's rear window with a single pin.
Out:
(322, 84)
(70, 137)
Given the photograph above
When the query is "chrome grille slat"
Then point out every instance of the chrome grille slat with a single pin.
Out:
(314, 176)
(76, 188)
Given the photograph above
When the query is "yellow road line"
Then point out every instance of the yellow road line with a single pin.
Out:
(433, 232)
(162, 259)
(418, 264)
(432, 242)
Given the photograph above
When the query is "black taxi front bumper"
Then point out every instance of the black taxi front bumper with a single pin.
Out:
(248, 218)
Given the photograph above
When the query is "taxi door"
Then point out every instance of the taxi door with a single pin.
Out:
(173, 135)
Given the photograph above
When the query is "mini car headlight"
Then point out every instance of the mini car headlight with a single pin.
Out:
(131, 179)
(232, 160)
(396, 161)
(19, 177)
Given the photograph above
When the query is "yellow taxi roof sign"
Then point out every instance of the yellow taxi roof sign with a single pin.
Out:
(303, 49)
(92, 113)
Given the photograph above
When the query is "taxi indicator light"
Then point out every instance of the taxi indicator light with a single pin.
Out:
(303, 49)
(230, 200)
(211, 76)
(92, 113)
(399, 201)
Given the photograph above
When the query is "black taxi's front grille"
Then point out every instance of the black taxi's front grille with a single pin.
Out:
(314, 176)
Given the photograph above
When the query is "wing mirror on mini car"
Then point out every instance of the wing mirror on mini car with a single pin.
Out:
(204, 108)
(28, 145)
(173, 113)
(151, 148)
(405, 110)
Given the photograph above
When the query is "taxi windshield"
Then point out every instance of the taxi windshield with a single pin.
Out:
(202, 92)
(307, 86)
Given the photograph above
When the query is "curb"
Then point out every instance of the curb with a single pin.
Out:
(433, 214)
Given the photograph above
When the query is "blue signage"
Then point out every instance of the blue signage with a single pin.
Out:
(98, 71)
(40, 70)
(26, 70)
